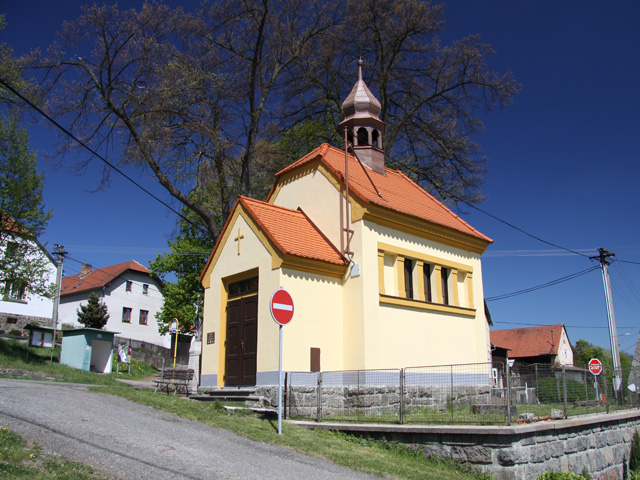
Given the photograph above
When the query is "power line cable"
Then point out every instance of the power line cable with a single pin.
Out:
(510, 224)
(544, 285)
(627, 261)
(568, 326)
(100, 157)
(93, 152)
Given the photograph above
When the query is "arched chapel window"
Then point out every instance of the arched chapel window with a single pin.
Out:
(363, 136)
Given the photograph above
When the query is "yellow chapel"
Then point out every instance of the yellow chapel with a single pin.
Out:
(382, 274)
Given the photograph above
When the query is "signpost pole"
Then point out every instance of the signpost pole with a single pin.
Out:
(174, 329)
(281, 306)
(280, 387)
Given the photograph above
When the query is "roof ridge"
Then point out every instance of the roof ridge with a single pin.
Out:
(320, 150)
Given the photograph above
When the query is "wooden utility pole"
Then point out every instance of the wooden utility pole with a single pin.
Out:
(59, 253)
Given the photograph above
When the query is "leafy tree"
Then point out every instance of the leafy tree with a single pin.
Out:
(24, 266)
(94, 314)
(585, 351)
(196, 98)
(188, 253)
(430, 92)
(10, 71)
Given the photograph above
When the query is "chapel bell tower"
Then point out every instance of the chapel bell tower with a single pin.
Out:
(363, 126)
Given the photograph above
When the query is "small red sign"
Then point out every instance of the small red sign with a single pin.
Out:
(595, 366)
(281, 306)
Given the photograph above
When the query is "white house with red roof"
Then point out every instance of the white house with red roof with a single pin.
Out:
(542, 344)
(382, 274)
(18, 305)
(131, 294)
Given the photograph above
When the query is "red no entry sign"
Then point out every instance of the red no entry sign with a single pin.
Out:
(281, 306)
(595, 366)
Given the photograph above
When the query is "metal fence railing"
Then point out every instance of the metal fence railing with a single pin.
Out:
(471, 394)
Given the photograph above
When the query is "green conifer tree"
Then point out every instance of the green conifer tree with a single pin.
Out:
(94, 314)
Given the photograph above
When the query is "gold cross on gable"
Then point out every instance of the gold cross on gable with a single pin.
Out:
(238, 238)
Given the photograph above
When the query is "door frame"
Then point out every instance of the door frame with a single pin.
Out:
(222, 325)
(246, 347)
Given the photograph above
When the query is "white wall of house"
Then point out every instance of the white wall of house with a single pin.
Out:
(118, 297)
(30, 308)
(565, 352)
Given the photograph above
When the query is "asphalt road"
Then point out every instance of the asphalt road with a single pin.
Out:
(127, 440)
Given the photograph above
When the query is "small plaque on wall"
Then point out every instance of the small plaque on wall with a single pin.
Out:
(211, 338)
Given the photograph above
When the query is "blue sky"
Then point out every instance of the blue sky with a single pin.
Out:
(563, 163)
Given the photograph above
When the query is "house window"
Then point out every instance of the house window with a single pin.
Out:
(12, 250)
(126, 315)
(444, 272)
(418, 280)
(408, 278)
(144, 314)
(12, 321)
(426, 272)
(128, 285)
(145, 289)
(15, 290)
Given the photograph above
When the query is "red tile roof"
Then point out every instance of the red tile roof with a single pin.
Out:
(98, 278)
(292, 232)
(529, 342)
(399, 193)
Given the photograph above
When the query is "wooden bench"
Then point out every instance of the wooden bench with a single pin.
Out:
(174, 379)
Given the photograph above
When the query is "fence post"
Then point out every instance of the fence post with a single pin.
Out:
(319, 395)
(286, 396)
(508, 370)
(564, 389)
(402, 396)
(606, 389)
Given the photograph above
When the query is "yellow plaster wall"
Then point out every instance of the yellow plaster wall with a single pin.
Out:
(318, 308)
(354, 306)
(231, 266)
(409, 336)
(317, 323)
(318, 198)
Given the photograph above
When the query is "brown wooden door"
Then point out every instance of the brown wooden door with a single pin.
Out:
(242, 341)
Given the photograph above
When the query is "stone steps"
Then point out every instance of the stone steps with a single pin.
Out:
(226, 394)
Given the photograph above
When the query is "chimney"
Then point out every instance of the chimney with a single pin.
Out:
(85, 268)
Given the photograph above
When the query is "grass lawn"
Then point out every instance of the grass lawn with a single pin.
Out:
(20, 459)
(35, 363)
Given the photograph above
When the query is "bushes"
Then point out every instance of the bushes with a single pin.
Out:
(551, 390)
(564, 476)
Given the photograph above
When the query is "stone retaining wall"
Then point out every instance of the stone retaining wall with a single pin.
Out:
(599, 443)
(10, 321)
(302, 401)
